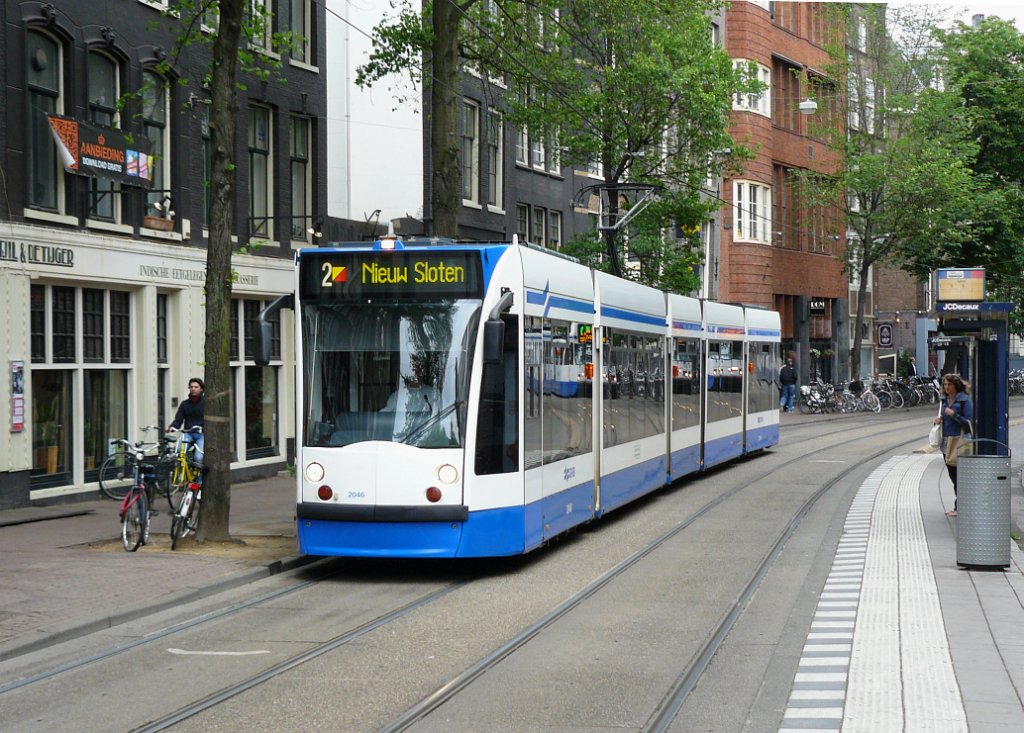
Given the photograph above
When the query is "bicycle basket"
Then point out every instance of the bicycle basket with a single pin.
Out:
(857, 386)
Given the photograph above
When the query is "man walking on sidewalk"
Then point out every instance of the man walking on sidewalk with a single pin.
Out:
(787, 380)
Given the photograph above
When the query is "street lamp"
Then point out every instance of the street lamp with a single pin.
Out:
(808, 107)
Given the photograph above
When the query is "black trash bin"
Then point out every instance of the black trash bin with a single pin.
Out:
(983, 508)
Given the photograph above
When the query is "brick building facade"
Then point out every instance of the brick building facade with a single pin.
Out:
(776, 251)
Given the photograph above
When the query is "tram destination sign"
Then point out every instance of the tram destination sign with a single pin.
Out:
(394, 275)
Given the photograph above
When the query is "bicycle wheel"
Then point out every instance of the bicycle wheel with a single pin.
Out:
(135, 521)
(884, 398)
(871, 402)
(117, 472)
(181, 520)
(897, 399)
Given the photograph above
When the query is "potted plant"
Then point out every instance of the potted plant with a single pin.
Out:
(48, 432)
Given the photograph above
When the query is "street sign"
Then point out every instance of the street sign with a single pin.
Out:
(885, 335)
(817, 306)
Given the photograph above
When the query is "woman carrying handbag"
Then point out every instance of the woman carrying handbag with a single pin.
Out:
(955, 415)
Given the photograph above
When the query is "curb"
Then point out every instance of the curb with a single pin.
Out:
(47, 637)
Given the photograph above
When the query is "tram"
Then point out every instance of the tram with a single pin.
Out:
(468, 400)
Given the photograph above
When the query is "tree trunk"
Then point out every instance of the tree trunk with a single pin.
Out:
(224, 115)
(445, 192)
(858, 325)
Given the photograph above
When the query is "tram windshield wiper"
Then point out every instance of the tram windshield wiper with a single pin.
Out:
(420, 429)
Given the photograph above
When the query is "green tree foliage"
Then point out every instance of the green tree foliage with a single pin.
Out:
(905, 184)
(983, 73)
(633, 88)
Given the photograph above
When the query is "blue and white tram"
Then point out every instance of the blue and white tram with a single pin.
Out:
(480, 400)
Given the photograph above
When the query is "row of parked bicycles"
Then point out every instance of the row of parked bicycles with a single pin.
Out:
(136, 473)
(867, 396)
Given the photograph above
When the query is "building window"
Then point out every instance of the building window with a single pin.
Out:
(523, 222)
(751, 212)
(469, 150)
(522, 146)
(37, 322)
(554, 229)
(869, 106)
(261, 24)
(100, 369)
(301, 182)
(757, 102)
(257, 385)
(299, 23)
(259, 172)
(45, 89)
(787, 94)
(537, 222)
(154, 127)
(495, 160)
(162, 348)
(104, 193)
(63, 321)
(853, 102)
(93, 318)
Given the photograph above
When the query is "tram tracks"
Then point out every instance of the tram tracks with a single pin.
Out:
(675, 697)
(458, 683)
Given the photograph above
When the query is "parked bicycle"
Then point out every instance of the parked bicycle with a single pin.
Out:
(186, 485)
(137, 503)
(117, 471)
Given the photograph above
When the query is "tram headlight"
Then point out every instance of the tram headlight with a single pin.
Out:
(448, 474)
(314, 472)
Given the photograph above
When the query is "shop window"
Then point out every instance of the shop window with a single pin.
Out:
(89, 334)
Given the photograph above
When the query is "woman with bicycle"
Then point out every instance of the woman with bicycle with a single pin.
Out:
(190, 416)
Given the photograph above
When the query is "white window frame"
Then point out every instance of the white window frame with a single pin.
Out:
(305, 31)
(554, 230)
(761, 103)
(307, 182)
(523, 222)
(112, 187)
(853, 104)
(263, 43)
(161, 164)
(266, 227)
(869, 106)
(469, 146)
(752, 212)
(538, 218)
(495, 160)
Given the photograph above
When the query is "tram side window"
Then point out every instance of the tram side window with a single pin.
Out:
(762, 389)
(724, 380)
(533, 347)
(497, 445)
(567, 404)
(686, 384)
(634, 390)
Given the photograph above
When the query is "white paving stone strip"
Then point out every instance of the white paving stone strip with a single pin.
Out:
(879, 661)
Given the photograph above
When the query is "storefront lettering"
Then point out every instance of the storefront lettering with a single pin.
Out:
(36, 254)
(178, 273)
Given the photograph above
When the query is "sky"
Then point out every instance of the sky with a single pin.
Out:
(964, 10)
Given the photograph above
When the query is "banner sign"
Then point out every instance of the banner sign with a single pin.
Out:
(102, 152)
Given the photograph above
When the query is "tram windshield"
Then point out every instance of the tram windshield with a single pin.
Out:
(396, 372)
